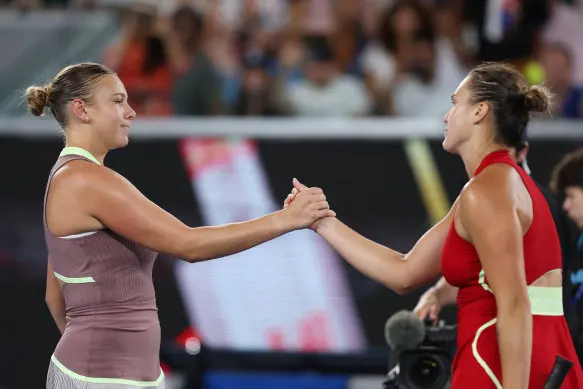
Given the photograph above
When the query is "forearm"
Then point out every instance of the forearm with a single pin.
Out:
(446, 293)
(205, 243)
(514, 328)
(372, 259)
(57, 309)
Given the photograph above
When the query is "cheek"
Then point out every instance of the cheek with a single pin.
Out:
(452, 117)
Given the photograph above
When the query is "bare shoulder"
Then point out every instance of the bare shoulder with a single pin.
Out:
(496, 183)
(82, 176)
(485, 198)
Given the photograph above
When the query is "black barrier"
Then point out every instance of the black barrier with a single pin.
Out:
(369, 184)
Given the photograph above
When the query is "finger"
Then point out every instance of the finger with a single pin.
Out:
(323, 205)
(287, 201)
(294, 191)
(421, 312)
(315, 191)
(325, 213)
(433, 313)
(319, 197)
(297, 184)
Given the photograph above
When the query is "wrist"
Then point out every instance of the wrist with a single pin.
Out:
(324, 225)
(282, 221)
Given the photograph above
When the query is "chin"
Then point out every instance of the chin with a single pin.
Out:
(448, 146)
(121, 142)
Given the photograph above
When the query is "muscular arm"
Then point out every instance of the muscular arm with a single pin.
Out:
(435, 298)
(399, 272)
(446, 293)
(54, 298)
(112, 202)
(488, 214)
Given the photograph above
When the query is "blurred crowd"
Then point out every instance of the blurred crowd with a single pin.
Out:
(334, 57)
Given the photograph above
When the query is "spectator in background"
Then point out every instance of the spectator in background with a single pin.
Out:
(567, 183)
(140, 59)
(557, 63)
(325, 91)
(419, 92)
(387, 58)
(197, 88)
(507, 30)
(565, 26)
(384, 58)
(455, 57)
(256, 93)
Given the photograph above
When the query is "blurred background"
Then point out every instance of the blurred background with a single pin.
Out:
(236, 97)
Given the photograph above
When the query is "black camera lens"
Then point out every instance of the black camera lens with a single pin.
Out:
(425, 372)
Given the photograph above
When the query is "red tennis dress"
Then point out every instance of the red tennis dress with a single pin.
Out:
(477, 362)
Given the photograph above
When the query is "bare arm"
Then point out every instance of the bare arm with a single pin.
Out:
(399, 272)
(489, 216)
(435, 298)
(446, 293)
(114, 203)
(54, 298)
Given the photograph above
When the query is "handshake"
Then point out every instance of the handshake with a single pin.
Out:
(306, 207)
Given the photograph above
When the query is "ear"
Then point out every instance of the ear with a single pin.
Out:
(79, 110)
(480, 111)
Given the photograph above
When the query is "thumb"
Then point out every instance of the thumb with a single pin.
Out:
(298, 185)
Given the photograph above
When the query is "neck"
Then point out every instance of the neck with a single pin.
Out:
(95, 148)
(474, 152)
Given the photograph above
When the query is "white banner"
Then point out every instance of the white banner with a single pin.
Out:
(287, 294)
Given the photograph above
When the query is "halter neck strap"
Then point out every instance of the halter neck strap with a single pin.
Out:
(70, 150)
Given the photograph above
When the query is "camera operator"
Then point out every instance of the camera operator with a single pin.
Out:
(443, 294)
(567, 184)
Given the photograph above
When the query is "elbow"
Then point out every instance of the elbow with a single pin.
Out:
(401, 291)
(403, 288)
(517, 304)
(52, 299)
(190, 250)
(190, 255)
(401, 280)
(184, 247)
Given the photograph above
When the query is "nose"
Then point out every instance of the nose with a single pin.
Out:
(446, 117)
(130, 113)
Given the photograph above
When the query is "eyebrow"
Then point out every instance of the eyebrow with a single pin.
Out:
(119, 94)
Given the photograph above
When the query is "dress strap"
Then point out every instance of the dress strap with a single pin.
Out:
(497, 156)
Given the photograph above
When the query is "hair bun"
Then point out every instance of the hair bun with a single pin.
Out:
(37, 98)
(537, 98)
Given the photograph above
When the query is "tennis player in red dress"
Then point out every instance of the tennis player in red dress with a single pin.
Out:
(498, 244)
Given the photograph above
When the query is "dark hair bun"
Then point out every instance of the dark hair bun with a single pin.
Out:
(537, 98)
(37, 98)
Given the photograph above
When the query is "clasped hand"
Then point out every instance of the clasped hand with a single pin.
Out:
(307, 206)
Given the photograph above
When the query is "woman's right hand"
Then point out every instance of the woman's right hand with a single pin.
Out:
(429, 305)
(307, 206)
